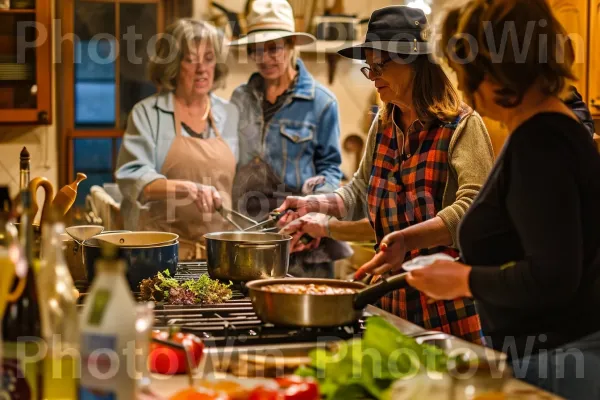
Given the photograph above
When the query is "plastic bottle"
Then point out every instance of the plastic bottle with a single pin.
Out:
(108, 334)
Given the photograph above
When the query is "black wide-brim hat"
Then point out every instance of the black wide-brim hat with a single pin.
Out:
(395, 29)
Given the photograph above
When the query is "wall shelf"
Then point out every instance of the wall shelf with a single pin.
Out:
(327, 46)
(16, 11)
(330, 49)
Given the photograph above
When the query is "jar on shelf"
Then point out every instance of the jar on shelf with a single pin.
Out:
(22, 4)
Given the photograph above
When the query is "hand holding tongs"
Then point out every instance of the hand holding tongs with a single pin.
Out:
(273, 217)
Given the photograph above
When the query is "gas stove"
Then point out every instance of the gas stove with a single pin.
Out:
(234, 323)
(239, 343)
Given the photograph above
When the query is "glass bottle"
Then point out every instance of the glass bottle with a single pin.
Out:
(21, 327)
(58, 311)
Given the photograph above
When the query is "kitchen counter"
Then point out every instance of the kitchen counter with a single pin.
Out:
(517, 389)
(218, 358)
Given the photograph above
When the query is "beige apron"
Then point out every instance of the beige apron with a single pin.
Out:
(205, 161)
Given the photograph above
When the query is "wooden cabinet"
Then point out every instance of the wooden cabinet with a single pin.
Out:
(594, 62)
(498, 134)
(26, 64)
(573, 15)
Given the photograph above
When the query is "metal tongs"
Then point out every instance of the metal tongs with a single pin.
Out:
(272, 218)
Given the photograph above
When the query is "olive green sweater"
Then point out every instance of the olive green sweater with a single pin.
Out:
(470, 156)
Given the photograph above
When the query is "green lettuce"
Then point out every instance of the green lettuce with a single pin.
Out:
(367, 367)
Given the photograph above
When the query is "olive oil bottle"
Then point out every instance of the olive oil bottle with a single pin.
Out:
(21, 327)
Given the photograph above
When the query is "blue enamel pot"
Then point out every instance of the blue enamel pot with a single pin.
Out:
(142, 262)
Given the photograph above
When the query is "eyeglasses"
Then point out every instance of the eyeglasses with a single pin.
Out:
(274, 52)
(376, 68)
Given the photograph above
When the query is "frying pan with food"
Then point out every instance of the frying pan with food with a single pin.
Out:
(317, 310)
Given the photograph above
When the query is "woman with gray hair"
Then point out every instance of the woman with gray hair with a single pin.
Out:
(177, 161)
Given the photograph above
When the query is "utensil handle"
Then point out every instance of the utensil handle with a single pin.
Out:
(14, 296)
(306, 239)
(373, 293)
(256, 246)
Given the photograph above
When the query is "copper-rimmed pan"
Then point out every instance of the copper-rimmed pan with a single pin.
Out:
(317, 310)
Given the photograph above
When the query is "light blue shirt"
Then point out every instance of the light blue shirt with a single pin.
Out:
(147, 140)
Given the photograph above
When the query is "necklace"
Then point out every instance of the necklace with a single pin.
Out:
(192, 115)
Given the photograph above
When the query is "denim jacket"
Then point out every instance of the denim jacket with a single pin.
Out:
(302, 139)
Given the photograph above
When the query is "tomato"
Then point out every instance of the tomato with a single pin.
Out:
(262, 393)
(169, 360)
(298, 388)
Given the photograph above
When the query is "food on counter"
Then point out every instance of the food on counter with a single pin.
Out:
(165, 288)
(168, 360)
(234, 390)
(309, 288)
(425, 385)
(231, 388)
(369, 366)
(198, 394)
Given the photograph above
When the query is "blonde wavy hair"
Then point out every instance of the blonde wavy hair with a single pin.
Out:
(173, 46)
(468, 33)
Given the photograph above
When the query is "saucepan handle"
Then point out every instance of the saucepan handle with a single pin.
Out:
(374, 292)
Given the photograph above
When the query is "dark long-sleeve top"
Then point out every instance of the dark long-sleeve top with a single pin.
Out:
(532, 237)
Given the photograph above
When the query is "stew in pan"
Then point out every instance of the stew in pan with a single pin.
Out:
(308, 289)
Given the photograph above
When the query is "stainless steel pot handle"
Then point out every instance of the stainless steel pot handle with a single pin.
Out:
(256, 246)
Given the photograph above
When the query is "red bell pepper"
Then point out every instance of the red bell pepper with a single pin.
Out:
(168, 360)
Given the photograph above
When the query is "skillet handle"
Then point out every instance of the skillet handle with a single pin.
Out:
(373, 293)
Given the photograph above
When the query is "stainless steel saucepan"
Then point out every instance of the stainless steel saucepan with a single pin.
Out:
(246, 256)
(317, 310)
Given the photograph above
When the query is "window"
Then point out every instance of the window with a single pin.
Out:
(104, 75)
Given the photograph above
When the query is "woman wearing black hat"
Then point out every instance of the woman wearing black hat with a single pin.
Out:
(427, 157)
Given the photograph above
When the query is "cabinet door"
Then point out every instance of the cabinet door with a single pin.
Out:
(25, 64)
(573, 15)
(594, 80)
(498, 134)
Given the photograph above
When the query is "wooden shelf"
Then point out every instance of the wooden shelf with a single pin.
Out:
(16, 11)
(327, 46)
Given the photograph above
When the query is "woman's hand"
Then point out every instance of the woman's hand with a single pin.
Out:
(313, 224)
(295, 207)
(392, 251)
(442, 280)
(207, 198)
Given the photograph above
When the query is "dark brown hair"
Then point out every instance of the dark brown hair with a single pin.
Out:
(537, 49)
(433, 95)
